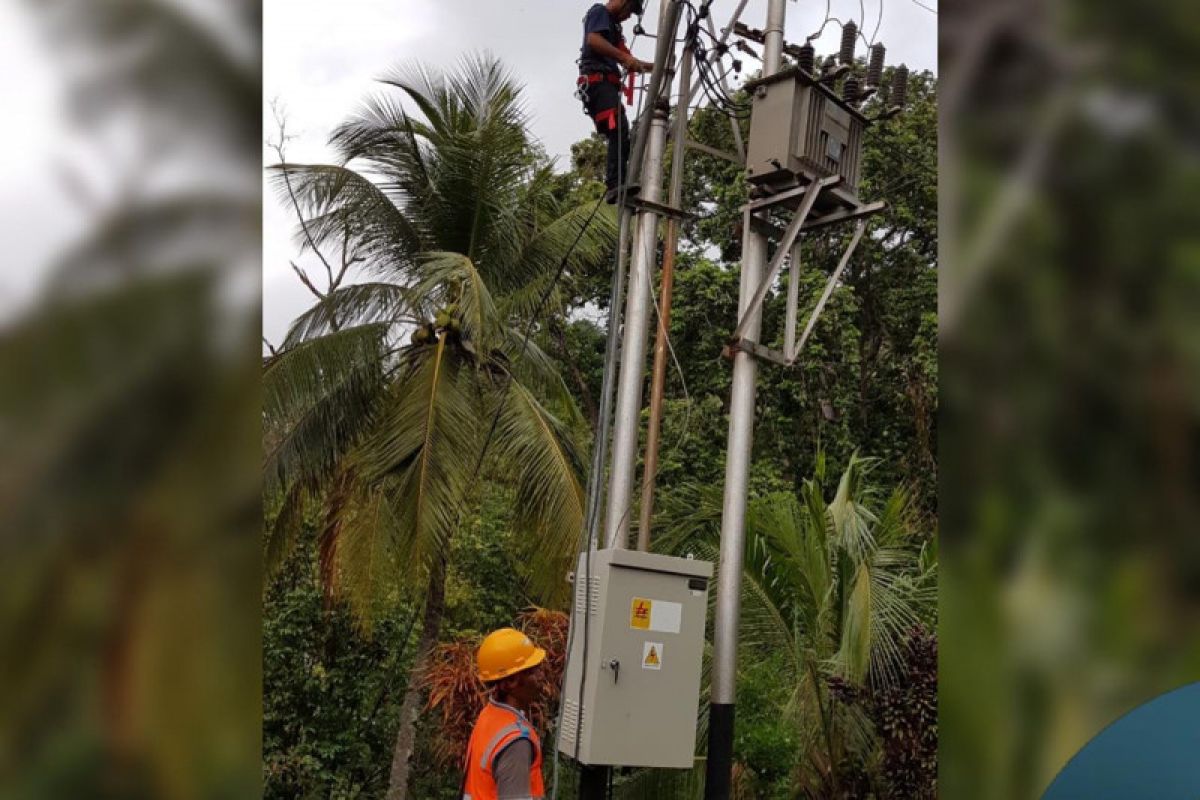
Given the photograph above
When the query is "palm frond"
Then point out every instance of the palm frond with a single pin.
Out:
(532, 366)
(453, 278)
(285, 529)
(346, 210)
(370, 562)
(423, 447)
(854, 655)
(536, 449)
(570, 241)
(473, 154)
(318, 397)
(356, 305)
(853, 521)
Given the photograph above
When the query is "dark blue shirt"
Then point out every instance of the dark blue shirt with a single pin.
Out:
(598, 20)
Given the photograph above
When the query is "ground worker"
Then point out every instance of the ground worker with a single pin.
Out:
(603, 54)
(504, 754)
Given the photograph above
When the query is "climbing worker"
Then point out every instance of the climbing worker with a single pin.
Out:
(504, 754)
(603, 55)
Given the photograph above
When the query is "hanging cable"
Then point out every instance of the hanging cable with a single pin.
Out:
(878, 22)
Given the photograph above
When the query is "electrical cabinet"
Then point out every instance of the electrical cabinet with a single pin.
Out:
(644, 644)
(799, 126)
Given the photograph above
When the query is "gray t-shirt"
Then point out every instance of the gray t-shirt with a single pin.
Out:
(511, 770)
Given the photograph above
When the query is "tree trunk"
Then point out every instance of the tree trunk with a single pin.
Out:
(414, 693)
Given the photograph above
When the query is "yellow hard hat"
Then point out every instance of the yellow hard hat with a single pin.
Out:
(506, 652)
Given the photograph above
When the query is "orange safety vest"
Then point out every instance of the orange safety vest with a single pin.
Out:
(498, 726)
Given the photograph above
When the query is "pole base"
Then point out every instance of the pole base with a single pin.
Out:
(593, 783)
(718, 779)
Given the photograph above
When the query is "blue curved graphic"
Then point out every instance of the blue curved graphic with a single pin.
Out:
(1151, 753)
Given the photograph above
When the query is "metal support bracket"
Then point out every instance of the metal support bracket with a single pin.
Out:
(781, 253)
(758, 351)
(789, 251)
(639, 204)
(715, 153)
(859, 229)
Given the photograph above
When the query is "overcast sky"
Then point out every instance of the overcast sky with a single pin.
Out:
(322, 58)
(35, 220)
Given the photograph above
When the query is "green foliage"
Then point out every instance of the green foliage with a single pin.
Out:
(835, 580)
(330, 696)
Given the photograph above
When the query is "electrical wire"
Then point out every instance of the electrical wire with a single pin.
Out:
(711, 84)
(878, 22)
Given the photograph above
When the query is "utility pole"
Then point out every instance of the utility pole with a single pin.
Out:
(737, 482)
(633, 348)
(646, 158)
(646, 162)
(671, 243)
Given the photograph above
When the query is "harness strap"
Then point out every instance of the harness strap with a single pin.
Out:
(630, 79)
(608, 115)
(599, 77)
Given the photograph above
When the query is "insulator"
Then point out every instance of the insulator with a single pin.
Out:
(875, 66)
(899, 94)
(808, 57)
(851, 90)
(849, 39)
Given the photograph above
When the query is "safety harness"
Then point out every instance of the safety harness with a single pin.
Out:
(609, 115)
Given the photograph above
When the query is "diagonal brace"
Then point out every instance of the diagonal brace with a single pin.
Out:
(829, 287)
(782, 251)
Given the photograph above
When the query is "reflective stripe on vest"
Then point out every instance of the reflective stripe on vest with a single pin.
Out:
(498, 726)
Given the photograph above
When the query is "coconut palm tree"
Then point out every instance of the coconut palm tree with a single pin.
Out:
(835, 588)
(392, 399)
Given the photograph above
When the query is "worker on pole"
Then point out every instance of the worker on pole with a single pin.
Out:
(601, 58)
(504, 754)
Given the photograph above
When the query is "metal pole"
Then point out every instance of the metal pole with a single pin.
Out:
(633, 347)
(668, 23)
(671, 242)
(737, 483)
(773, 37)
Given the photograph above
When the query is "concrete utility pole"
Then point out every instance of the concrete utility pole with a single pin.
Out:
(737, 483)
(633, 348)
(646, 163)
(670, 244)
(646, 158)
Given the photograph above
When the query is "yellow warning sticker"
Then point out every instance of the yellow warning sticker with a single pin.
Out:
(652, 655)
(639, 613)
